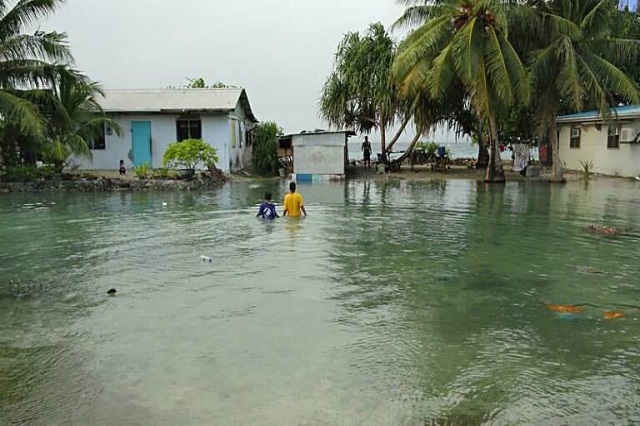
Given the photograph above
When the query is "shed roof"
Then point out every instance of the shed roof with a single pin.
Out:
(627, 111)
(176, 100)
(319, 132)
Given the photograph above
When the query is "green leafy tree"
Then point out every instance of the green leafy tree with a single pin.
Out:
(200, 83)
(455, 111)
(359, 94)
(73, 115)
(466, 42)
(265, 147)
(573, 60)
(28, 61)
(190, 153)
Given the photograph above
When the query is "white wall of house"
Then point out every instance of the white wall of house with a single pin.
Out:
(238, 138)
(621, 161)
(215, 131)
(322, 153)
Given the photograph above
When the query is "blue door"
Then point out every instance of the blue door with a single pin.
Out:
(141, 142)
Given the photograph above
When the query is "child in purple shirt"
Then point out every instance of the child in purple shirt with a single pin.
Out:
(267, 209)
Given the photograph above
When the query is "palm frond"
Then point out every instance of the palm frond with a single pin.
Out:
(413, 16)
(25, 13)
(568, 82)
(21, 112)
(603, 78)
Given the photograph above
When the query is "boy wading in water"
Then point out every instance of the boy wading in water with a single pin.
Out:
(267, 209)
(293, 202)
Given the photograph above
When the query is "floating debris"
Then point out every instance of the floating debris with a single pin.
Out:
(609, 315)
(589, 270)
(604, 230)
(566, 309)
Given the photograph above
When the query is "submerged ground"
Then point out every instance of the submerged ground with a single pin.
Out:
(394, 302)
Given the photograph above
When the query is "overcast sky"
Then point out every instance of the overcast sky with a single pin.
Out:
(279, 50)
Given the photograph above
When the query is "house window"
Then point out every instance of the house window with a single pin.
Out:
(99, 140)
(574, 141)
(613, 137)
(188, 129)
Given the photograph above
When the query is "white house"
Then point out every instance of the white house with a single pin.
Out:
(317, 154)
(152, 119)
(613, 146)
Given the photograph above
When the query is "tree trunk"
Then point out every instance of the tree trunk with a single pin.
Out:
(483, 156)
(495, 173)
(398, 133)
(383, 143)
(412, 145)
(556, 169)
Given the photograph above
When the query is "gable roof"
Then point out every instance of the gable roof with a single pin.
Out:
(627, 111)
(175, 101)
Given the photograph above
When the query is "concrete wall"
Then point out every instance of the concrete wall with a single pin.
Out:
(215, 131)
(322, 154)
(622, 161)
(239, 152)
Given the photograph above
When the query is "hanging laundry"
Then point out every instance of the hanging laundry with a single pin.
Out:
(628, 5)
(522, 155)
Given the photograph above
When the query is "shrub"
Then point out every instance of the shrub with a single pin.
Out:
(587, 168)
(189, 153)
(142, 170)
(265, 148)
(161, 173)
(27, 173)
(429, 147)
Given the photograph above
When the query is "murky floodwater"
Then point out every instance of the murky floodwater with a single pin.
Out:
(392, 303)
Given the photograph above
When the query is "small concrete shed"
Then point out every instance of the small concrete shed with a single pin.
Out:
(317, 154)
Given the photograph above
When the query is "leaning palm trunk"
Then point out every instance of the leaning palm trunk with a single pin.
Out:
(556, 168)
(495, 173)
(409, 150)
(396, 137)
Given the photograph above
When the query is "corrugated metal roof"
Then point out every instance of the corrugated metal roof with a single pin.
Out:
(175, 100)
(319, 132)
(627, 111)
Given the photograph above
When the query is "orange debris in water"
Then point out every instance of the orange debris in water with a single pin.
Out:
(613, 315)
(565, 309)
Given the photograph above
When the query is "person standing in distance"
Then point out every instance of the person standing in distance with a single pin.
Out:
(293, 202)
(366, 152)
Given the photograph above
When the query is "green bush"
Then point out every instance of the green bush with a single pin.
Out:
(587, 168)
(142, 170)
(189, 153)
(265, 148)
(161, 173)
(27, 173)
(429, 147)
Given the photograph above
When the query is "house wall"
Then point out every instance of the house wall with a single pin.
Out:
(215, 131)
(238, 138)
(622, 161)
(322, 154)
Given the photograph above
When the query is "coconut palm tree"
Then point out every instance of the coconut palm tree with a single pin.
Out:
(27, 60)
(465, 42)
(574, 60)
(359, 93)
(74, 116)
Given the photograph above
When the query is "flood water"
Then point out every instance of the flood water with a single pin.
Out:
(393, 303)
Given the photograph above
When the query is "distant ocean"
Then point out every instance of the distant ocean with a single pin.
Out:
(461, 149)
